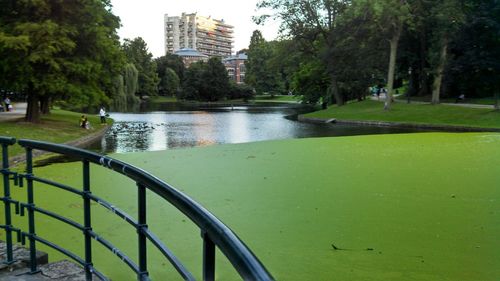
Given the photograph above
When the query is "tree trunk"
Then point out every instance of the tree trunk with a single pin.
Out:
(33, 109)
(497, 97)
(392, 66)
(335, 91)
(436, 87)
(45, 105)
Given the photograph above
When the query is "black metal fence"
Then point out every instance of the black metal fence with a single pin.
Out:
(213, 232)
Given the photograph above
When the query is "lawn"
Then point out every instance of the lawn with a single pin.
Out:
(58, 127)
(412, 113)
(485, 101)
(402, 207)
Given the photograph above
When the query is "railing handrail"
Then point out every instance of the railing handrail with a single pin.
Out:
(240, 256)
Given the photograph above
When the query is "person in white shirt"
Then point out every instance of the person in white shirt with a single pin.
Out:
(102, 114)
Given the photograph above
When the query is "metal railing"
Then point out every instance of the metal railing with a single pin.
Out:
(213, 232)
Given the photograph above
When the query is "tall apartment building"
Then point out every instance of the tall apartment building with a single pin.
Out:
(208, 36)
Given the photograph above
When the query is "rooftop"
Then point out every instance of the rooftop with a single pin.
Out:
(188, 52)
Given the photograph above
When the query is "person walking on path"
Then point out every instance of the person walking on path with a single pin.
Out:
(8, 106)
(102, 114)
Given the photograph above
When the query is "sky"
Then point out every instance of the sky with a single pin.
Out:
(145, 19)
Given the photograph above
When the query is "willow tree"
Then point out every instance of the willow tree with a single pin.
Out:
(137, 53)
(131, 83)
(118, 94)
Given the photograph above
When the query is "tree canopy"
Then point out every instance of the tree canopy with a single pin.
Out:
(59, 50)
(137, 53)
(434, 46)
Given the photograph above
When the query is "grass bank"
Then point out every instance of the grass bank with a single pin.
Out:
(402, 207)
(59, 127)
(412, 113)
(484, 101)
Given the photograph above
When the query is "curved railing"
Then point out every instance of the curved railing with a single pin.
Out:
(214, 233)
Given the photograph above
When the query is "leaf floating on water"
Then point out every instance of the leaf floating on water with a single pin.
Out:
(337, 248)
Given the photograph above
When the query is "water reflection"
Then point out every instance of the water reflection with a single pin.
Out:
(170, 126)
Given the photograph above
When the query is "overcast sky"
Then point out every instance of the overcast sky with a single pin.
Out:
(145, 19)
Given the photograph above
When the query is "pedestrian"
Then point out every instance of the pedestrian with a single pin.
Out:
(379, 90)
(84, 123)
(460, 98)
(8, 106)
(102, 114)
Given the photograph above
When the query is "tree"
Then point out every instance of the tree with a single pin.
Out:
(137, 53)
(118, 94)
(130, 84)
(171, 61)
(310, 21)
(193, 82)
(54, 50)
(390, 18)
(447, 18)
(206, 81)
(311, 81)
(216, 80)
(473, 67)
(170, 70)
(259, 72)
(169, 83)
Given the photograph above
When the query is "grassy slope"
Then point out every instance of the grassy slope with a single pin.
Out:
(59, 127)
(427, 204)
(486, 101)
(413, 113)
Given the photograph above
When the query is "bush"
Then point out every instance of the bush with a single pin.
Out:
(241, 91)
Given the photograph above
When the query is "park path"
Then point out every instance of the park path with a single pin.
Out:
(17, 112)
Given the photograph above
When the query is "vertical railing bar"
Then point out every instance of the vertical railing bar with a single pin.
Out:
(87, 222)
(31, 211)
(8, 215)
(208, 258)
(143, 256)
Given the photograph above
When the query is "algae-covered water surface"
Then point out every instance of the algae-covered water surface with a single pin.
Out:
(386, 207)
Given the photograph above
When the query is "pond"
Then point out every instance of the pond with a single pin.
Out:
(173, 125)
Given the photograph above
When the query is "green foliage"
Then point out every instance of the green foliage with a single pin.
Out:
(171, 61)
(206, 81)
(137, 53)
(62, 50)
(240, 91)
(260, 72)
(131, 84)
(119, 97)
(169, 83)
(311, 81)
(170, 69)
(475, 65)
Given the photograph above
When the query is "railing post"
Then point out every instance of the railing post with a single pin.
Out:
(6, 198)
(31, 211)
(87, 223)
(143, 256)
(208, 258)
